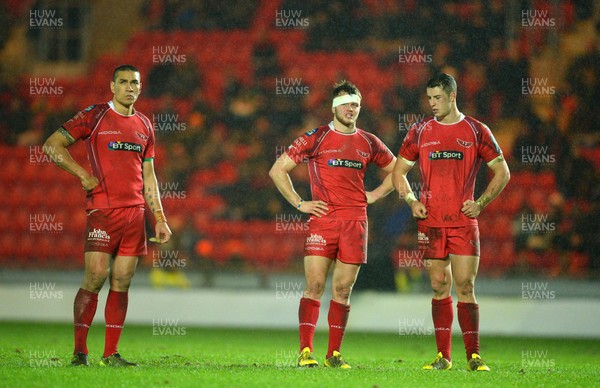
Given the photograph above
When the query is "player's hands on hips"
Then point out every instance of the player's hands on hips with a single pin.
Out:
(371, 197)
(163, 233)
(418, 210)
(89, 182)
(316, 208)
(471, 208)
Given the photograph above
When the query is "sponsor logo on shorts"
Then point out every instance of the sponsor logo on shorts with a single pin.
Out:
(464, 143)
(422, 238)
(345, 163)
(315, 241)
(124, 146)
(436, 155)
(98, 237)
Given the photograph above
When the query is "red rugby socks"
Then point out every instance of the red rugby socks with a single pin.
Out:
(443, 314)
(308, 315)
(468, 318)
(84, 309)
(114, 314)
(337, 318)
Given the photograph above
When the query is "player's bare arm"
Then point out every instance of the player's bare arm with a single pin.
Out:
(401, 168)
(152, 198)
(385, 187)
(499, 180)
(279, 173)
(56, 149)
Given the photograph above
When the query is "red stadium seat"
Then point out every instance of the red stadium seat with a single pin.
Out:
(538, 200)
(578, 264)
(548, 261)
(523, 179)
(8, 248)
(546, 180)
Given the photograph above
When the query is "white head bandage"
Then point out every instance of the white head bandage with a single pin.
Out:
(344, 99)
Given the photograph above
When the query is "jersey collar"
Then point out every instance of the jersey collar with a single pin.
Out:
(341, 133)
(460, 118)
(112, 106)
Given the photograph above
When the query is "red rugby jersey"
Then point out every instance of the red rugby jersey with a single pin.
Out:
(116, 147)
(449, 157)
(337, 163)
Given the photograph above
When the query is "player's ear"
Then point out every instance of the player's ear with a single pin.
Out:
(112, 86)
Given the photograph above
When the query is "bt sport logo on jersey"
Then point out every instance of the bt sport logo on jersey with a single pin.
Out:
(345, 163)
(124, 146)
(437, 155)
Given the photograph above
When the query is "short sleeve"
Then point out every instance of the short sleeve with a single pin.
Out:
(409, 149)
(382, 155)
(149, 150)
(488, 147)
(302, 148)
(80, 126)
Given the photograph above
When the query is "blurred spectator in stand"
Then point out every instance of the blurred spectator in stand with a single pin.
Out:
(577, 177)
(264, 58)
(208, 154)
(539, 144)
(166, 118)
(583, 78)
(588, 228)
(533, 241)
(506, 70)
(152, 12)
(336, 25)
(180, 170)
(178, 79)
(476, 89)
(17, 119)
(243, 110)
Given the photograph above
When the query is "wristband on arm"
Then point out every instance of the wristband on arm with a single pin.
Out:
(410, 198)
(159, 215)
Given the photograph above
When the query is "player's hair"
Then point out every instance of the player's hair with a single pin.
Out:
(444, 81)
(124, 68)
(345, 86)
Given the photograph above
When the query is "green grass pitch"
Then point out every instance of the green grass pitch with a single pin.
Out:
(38, 355)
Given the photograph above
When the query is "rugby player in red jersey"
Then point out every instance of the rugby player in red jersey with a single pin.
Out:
(449, 149)
(120, 149)
(337, 156)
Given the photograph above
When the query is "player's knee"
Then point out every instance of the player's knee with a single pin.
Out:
(314, 289)
(466, 288)
(95, 277)
(121, 279)
(342, 291)
(439, 284)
